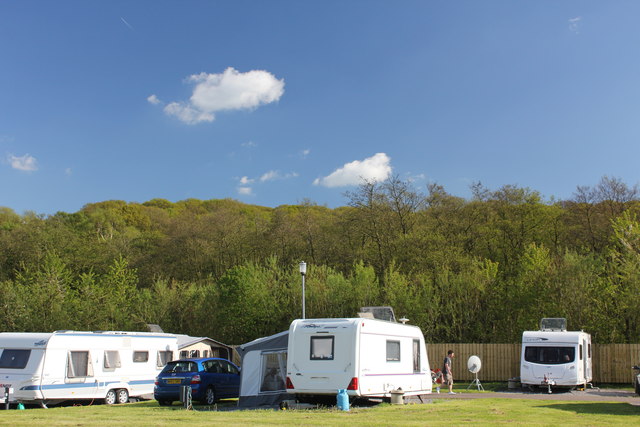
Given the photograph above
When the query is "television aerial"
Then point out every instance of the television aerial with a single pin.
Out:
(474, 364)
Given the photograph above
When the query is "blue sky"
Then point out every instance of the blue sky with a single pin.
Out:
(275, 102)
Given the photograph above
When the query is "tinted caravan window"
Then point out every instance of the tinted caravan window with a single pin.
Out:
(393, 351)
(14, 359)
(550, 355)
(322, 348)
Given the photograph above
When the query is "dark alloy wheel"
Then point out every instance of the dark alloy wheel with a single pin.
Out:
(209, 396)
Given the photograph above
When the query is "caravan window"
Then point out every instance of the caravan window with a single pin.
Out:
(164, 357)
(14, 359)
(580, 351)
(79, 364)
(550, 355)
(322, 348)
(112, 359)
(140, 356)
(274, 366)
(416, 356)
(393, 351)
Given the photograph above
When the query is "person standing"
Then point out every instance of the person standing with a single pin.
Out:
(447, 373)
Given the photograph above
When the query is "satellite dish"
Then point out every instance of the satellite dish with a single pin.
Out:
(474, 364)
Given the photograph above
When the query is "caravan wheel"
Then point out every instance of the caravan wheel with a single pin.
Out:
(111, 397)
(123, 395)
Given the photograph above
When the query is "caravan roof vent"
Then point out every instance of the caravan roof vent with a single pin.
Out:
(380, 313)
(553, 324)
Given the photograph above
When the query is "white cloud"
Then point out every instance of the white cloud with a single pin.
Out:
(249, 144)
(305, 153)
(574, 24)
(275, 175)
(246, 180)
(188, 114)
(245, 191)
(153, 99)
(25, 163)
(376, 168)
(230, 90)
(269, 176)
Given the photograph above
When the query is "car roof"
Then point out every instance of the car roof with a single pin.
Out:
(198, 359)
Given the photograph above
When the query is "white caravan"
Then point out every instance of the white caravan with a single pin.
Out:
(367, 357)
(48, 368)
(555, 357)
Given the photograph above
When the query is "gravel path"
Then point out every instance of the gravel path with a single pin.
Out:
(590, 395)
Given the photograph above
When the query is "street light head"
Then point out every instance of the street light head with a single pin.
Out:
(303, 268)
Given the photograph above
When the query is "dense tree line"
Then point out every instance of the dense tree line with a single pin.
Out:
(476, 270)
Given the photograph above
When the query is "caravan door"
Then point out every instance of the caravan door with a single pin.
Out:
(586, 344)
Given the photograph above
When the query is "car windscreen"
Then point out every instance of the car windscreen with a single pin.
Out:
(180, 366)
(549, 355)
(14, 359)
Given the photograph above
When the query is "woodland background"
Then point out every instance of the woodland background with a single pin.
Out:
(465, 270)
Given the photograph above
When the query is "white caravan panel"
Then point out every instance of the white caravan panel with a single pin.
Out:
(69, 365)
(367, 357)
(559, 358)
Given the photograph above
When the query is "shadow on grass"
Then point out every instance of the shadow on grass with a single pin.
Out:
(602, 408)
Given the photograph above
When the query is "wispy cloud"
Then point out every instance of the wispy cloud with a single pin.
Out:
(415, 177)
(230, 90)
(245, 191)
(153, 99)
(276, 175)
(376, 167)
(25, 163)
(126, 23)
(574, 24)
(305, 153)
(245, 184)
(249, 144)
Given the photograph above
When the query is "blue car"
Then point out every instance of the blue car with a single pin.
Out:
(210, 379)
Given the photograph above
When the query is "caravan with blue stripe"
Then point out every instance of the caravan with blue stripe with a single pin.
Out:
(111, 366)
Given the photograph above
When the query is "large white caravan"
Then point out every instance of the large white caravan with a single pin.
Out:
(367, 357)
(555, 357)
(48, 368)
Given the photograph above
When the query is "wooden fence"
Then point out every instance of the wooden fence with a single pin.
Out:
(611, 362)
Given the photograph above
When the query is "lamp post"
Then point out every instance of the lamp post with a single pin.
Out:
(303, 271)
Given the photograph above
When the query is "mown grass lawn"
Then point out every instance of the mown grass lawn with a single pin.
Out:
(441, 412)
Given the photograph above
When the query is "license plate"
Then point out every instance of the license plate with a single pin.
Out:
(174, 381)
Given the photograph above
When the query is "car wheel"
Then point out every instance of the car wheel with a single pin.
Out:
(209, 396)
(123, 395)
(111, 397)
(164, 402)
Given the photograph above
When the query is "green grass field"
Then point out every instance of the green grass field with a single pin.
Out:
(440, 412)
